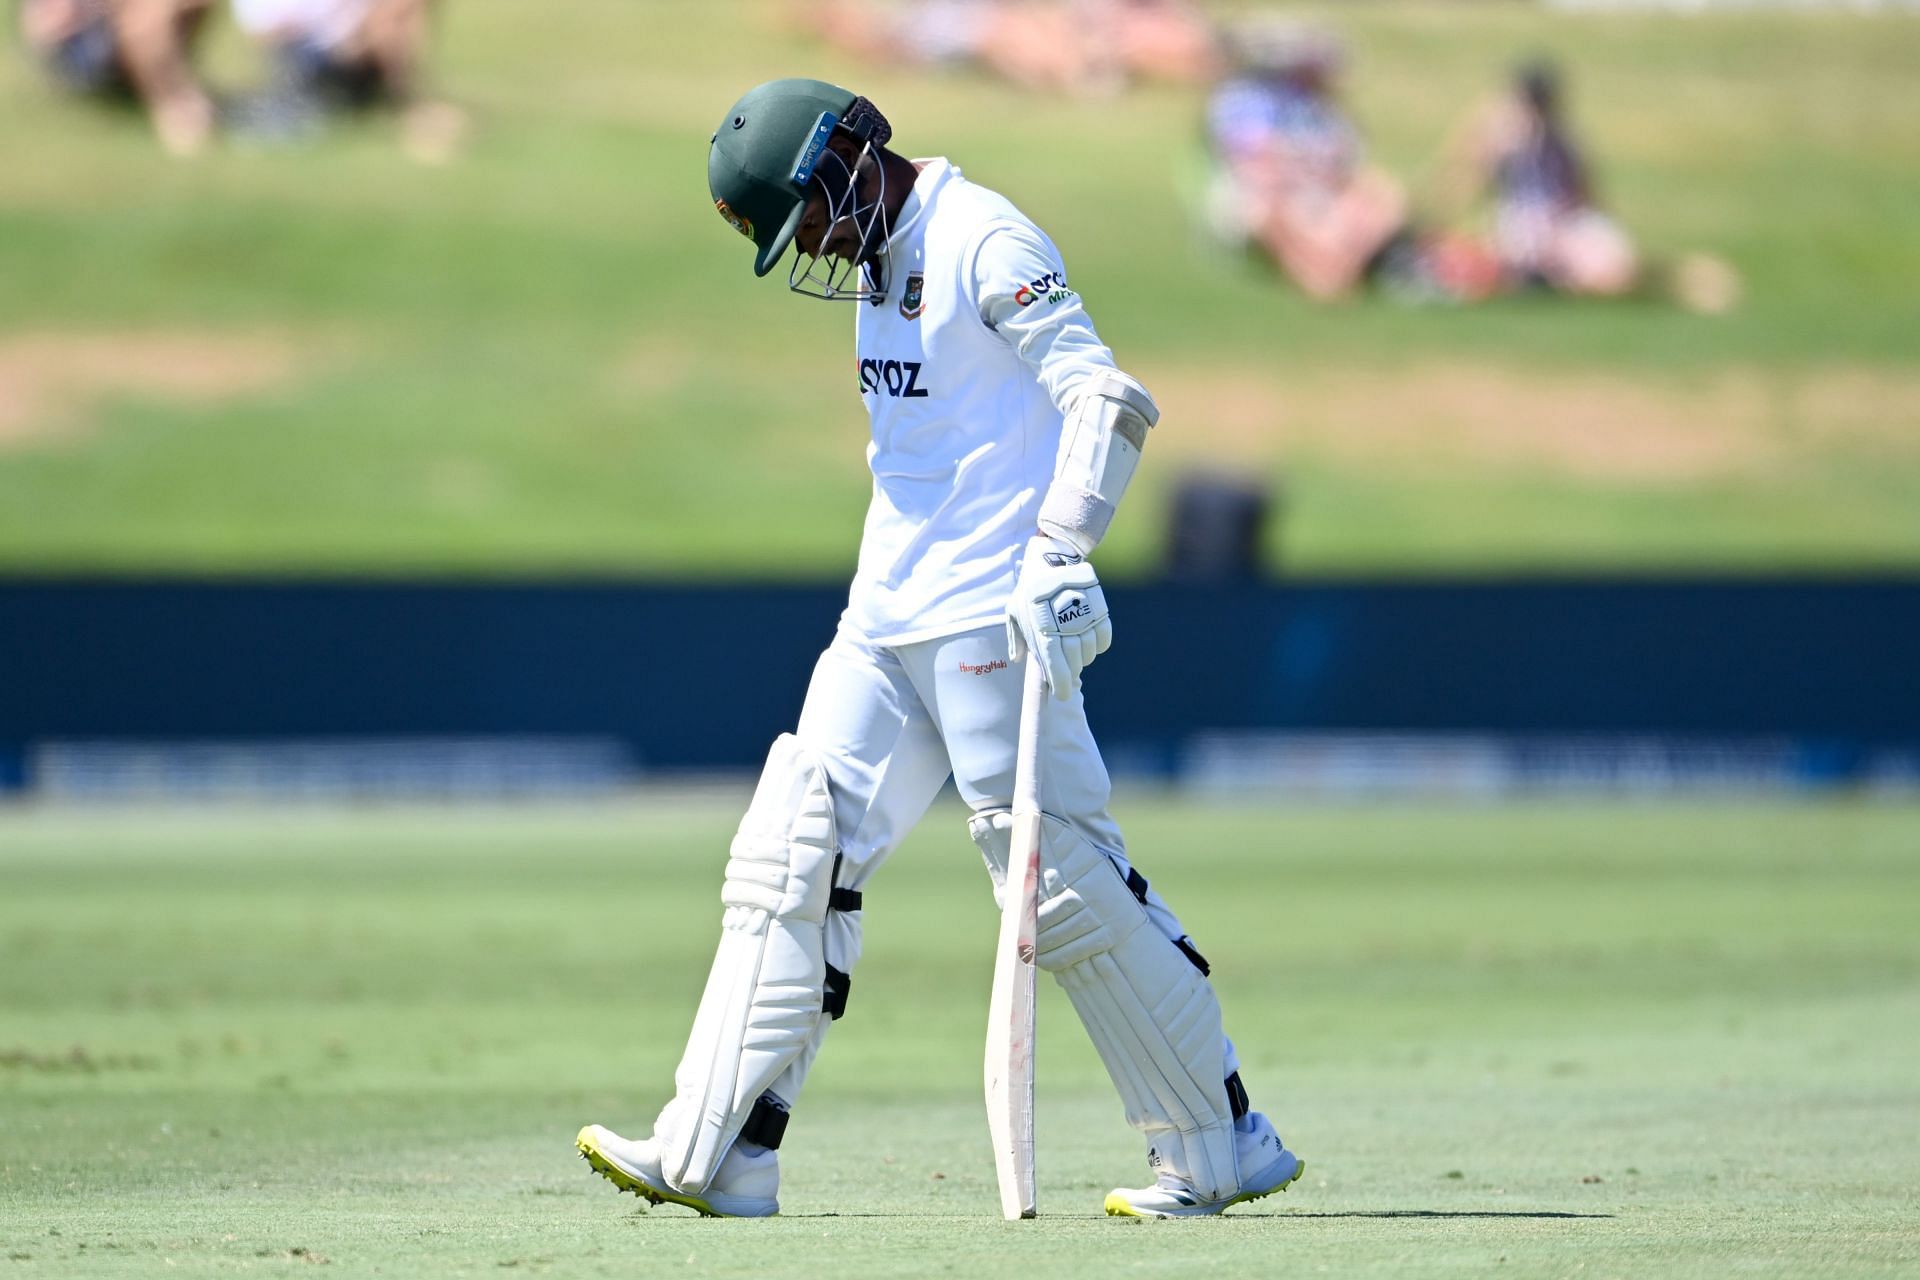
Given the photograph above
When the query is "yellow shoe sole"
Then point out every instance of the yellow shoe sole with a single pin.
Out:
(1117, 1206)
(601, 1164)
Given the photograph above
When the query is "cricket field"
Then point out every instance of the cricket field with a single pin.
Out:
(1592, 1040)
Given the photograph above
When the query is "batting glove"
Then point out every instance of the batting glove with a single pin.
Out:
(1059, 613)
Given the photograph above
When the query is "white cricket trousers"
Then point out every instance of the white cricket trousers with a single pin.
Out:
(894, 721)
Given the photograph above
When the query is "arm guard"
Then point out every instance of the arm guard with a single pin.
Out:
(1099, 449)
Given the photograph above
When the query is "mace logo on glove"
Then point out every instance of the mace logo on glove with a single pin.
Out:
(1060, 559)
(1075, 608)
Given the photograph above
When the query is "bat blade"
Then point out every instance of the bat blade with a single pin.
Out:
(1010, 1026)
(1010, 1023)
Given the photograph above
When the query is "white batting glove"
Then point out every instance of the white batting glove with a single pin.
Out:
(1059, 613)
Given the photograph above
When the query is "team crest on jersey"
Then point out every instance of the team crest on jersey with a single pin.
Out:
(912, 303)
(738, 223)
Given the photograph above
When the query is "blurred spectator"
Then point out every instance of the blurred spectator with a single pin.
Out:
(1548, 228)
(1046, 45)
(1290, 179)
(1068, 46)
(920, 32)
(1168, 40)
(336, 56)
(130, 50)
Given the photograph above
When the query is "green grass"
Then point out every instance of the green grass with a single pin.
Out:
(552, 356)
(1593, 1041)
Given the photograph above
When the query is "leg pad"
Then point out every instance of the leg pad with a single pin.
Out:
(1147, 1007)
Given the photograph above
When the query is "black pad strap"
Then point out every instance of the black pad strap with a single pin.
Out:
(1192, 953)
(1137, 883)
(839, 899)
(1237, 1099)
(834, 1000)
(766, 1123)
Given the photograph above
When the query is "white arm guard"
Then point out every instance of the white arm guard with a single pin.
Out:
(1099, 449)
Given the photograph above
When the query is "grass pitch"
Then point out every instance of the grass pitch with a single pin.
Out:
(1603, 1041)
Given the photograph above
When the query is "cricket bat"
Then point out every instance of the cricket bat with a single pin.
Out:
(1009, 1063)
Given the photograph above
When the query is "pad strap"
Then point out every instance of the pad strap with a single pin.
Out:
(766, 1123)
(1137, 885)
(1237, 1100)
(833, 998)
(1192, 953)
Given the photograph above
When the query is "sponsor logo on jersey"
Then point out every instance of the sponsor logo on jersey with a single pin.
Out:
(983, 668)
(897, 378)
(1051, 287)
(911, 302)
(738, 223)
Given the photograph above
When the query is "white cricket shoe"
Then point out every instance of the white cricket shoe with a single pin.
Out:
(744, 1187)
(1266, 1167)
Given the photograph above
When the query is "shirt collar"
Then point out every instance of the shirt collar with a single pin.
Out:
(933, 174)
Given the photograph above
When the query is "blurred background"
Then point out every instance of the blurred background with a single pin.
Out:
(382, 407)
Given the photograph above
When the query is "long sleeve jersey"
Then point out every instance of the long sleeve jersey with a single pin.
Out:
(967, 364)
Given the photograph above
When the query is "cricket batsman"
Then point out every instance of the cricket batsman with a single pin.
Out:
(1004, 438)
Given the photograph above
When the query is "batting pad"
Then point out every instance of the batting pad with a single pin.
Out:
(844, 935)
(763, 996)
(1151, 1014)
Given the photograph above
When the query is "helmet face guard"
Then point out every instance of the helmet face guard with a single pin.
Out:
(860, 277)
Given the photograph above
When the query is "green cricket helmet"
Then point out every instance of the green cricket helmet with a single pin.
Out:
(763, 156)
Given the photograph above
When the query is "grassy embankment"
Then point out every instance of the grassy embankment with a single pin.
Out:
(550, 355)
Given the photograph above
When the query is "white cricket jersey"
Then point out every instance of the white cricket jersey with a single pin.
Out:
(967, 365)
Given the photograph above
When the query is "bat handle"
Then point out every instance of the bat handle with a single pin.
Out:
(1026, 760)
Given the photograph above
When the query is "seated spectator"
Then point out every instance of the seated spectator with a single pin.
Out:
(1044, 45)
(920, 33)
(336, 56)
(1548, 229)
(1165, 40)
(1290, 178)
(1065, 46)
(136, 51)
